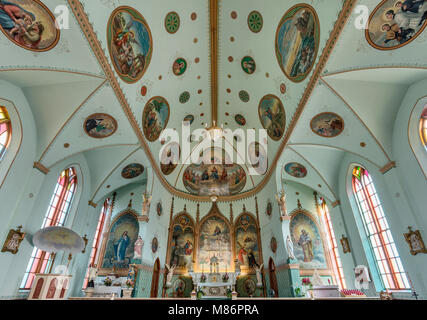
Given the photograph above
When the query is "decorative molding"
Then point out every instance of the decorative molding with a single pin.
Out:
(92, 204)
(213, 32)
(143, 218)
(388, 167)
(336, 204)
(285, 218)
(40, 167)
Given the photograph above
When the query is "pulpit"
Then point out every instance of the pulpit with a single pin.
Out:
(49, 286)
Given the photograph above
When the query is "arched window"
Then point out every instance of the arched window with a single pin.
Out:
(5, 131)
(59, 207)
(97, 238)
(383, 248)
(423, 127)
(332, 245)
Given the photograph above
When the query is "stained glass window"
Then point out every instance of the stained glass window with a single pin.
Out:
(5, 131)
(423, 127)
(59, 207)
(383, 248)
(97, 239)
(332, 246)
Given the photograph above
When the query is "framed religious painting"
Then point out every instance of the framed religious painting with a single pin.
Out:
(415, 241)
(345, 244)
(13, 241)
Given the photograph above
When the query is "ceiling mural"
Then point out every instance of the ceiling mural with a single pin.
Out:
(100, 125)
(297, 41)
(172, 22)
(130, 43)
(169, 158)
(179, 66)
(132, 170)
(248, 65)
(29, 24)
(394, 24)
(327, 124)
(255, 21)
(155, 117)
(240, 120)
(296, 170)
(272, 116)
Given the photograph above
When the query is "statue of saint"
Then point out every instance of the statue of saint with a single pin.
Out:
(170, 274)
(137, 254)
(281, 200)
(290, 248)
(93, 273)
(146, 201)
(259, 275)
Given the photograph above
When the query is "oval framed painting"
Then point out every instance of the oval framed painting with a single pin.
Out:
(248, 65)
(155, 117)
(273, 244)
(154, 245)
(159, 208)
(132, 170)
(393, 24)
(36, 30)
(297, 41)
(100, 125)
(240, 120)
(258, 158)
(296, 170)
(272, 116)
(169, 158)
(130, 43)
(269, 210)
(179, 66)
(327, 124)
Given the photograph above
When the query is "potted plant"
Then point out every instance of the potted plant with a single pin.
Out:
(200, 294)
(108, 282)
(229, 294)
(127, 293)
(307, 284)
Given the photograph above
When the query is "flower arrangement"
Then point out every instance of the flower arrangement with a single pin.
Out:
(225, 277)
(203, 278)
(108, 282)
(130, 283)
(306, 282)
(229, 294)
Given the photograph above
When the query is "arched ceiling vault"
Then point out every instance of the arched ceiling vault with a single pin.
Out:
(78, 78)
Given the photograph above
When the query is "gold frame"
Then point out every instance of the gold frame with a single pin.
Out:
(105, 115)
(9, 237)
(417, 233)
(321, 114)
(345, 244)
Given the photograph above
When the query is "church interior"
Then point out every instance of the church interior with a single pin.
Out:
(213, 149)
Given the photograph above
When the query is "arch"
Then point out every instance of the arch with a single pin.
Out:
(155, 279)
(272, 277)
(38, 288)
(52, 289)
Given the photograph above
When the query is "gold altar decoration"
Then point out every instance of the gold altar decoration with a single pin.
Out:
(13, 240)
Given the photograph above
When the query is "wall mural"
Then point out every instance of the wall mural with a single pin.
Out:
(132, 170)
(258, 157)
(179, 66)
(246, 239)
(248, 65)
(327, 124)
(296, 170)
(214, 244)
(130, 43)
(169, 157)
(182, 242)
(394, 24)
(297, 41)
(308, 247)
(272, 116)
(121, 239)
(100, 125)
(155, 117)
(29, 24)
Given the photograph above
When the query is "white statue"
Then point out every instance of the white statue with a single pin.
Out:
(290, 248)
(146, 201)
(281, 200)
(137, 253)
(93, 273)
(316, 280)
(258, 275)
(169, 275)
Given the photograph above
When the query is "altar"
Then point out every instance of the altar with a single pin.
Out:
(215, 285)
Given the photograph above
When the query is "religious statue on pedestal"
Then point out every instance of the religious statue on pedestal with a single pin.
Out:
(281, 200)
(137, 254)
(169, 275)
(146, 201)
(214, 266)
(259, 275)
(290, 248)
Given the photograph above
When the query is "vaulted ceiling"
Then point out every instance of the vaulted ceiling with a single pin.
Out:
(78, 78)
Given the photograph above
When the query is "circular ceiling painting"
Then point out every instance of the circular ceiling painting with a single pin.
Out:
(327, 124)
(169, 158)
(132, 171)
(100, 125)
(155, 117)
(296, 170)
(394, 24)
(240, 120)
(130, 43)
(272, 116)
(244, 96)
(297, 41)
(258, 157)
(172, 22)
(189, 118)
(179, 66)
(255, 21)
(248, 65)
(184, 97)
(38, 23)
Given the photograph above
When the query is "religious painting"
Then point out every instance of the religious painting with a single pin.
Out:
(240, 120)
(415, 241)
(269, 210)
(155, 117)
(100, 125)
(258, 158)
(132, 171)
(345, 244)
(29, 24)
(189, 118)
(179, 66)
(272, 116)
(297, 41)
(248, 65)
(327, 124)
(159, 208)
(246, 287)
(169, 158)
(214, 245)
(130, 43)
(296, 170)
(178, 288)
(308, 246)
(246, 243)
(394, 24)
(13, 240)
(182, 242)
(154, 245)
(273, 245)
(121, 240)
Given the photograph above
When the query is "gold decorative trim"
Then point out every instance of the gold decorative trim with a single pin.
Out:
(371, 68)
(335, 204)
(92, 204)
(40, 167)
(388, 167)
(213, 30)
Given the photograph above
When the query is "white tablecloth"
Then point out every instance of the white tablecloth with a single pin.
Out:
(108, 291)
